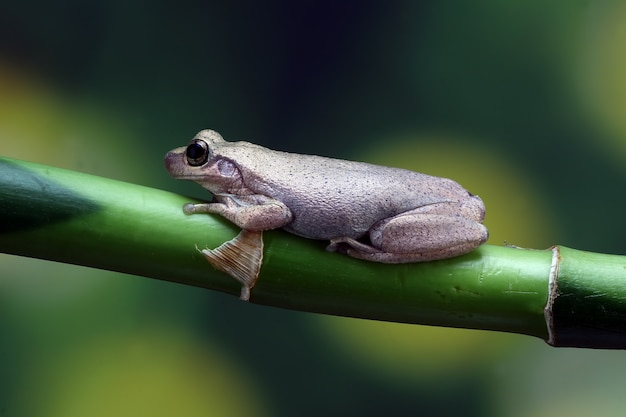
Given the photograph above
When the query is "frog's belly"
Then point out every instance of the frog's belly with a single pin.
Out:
(328, 218)
(327, 229)
(346, 212)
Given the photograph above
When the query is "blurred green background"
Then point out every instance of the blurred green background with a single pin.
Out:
(520, 101)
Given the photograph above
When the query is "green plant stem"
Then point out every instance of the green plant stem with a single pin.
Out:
(588, 301)
(65, 216)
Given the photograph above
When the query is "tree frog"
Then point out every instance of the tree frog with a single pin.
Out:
(366, 211)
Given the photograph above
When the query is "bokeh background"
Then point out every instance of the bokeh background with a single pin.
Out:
(520, 101)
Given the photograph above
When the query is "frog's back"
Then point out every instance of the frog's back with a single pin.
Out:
(331, 198)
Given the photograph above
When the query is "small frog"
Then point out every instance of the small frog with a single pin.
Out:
(366, 211)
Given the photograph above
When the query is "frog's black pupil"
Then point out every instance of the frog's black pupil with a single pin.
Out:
(194, 151)
(196, 154)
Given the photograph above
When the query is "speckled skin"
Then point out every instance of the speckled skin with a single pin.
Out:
(408, 216)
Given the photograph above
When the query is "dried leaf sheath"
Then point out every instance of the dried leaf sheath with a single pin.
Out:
(240, 257)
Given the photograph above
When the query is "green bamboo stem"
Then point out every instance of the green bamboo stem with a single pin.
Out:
(66, 216)
(588, 300)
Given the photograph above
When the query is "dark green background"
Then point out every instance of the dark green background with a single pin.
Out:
(509, 98)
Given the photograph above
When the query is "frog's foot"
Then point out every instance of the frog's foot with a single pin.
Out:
(240, 258)
(360, 250)
(343, 244)
(191, 208)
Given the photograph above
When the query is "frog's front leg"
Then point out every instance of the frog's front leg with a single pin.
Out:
(251, 212)
(424, 234)
(241, 257)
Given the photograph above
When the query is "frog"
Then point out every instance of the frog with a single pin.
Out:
(366, 211)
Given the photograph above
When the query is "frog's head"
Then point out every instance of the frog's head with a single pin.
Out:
(199, 162)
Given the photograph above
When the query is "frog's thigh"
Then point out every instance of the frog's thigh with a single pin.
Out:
(426, 236)
(416, 237)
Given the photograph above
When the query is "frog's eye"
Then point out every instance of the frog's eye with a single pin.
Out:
(197, 152)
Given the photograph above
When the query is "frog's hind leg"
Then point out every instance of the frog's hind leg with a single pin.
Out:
(360, 250)
(240, 258)
(417, 236)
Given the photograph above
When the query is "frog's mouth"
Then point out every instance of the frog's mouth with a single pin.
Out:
(178, 170)
(170, 160)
